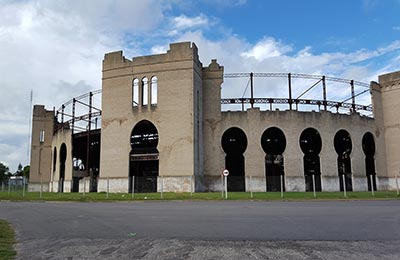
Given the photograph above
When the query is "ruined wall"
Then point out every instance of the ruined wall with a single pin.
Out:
(178, 75)
(254, 122)
(60, 138)
(40, 165)
(386, 105)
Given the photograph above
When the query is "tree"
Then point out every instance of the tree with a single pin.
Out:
(4, 172)
(20, 170)
(26, 171)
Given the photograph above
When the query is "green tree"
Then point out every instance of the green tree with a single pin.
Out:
(26, 171)
(4, 172)
(20, 170)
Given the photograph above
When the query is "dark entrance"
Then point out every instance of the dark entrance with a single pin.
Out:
(143, 166)
(311, 144)
(234, 143)
(63, 157)
(343, 146)
(273, 142)
(368, 146)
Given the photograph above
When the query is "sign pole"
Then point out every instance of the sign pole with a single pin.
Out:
(397, 185)
(226, 187)
(372, 185)
(344, 186)
(313, 183)
(281, 186)
(222, 186)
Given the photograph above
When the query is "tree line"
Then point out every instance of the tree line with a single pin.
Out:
(5, 173)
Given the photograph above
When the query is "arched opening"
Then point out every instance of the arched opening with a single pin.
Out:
(54, 159)
(63, 158)
(135, 93)
(145, 91)
(273, 142)
(368, 146)
(234, 144)
(311, 144)
(143, 167)
(154, 87)
(343, 146)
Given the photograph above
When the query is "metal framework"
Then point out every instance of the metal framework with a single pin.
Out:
(353, 107)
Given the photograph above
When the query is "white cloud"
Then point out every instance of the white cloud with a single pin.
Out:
(267, 48)
(396, 28)
(183, 22)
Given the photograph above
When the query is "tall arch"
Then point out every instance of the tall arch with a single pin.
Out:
(63, 158)
(135, 92)
(343, 147)
(154, 89)
(273, 142)
(368, 146)
(144, 165)
(234, 144)
(54, 159)
(311, 145)
(145, 92)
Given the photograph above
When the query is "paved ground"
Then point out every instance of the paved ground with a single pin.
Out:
(206, 230)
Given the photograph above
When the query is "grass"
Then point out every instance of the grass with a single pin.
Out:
(7, 240)
(264, 196)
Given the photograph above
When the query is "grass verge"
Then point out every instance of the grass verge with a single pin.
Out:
(7, 240)
(266, 196)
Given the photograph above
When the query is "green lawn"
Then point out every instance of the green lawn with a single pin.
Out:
(267, 196)
(7, 240)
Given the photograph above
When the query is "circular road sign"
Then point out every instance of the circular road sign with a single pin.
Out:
(225, 172)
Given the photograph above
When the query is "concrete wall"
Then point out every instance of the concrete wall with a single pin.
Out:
(386, 101)
(178, 73)
(254, 122)
(41, 153)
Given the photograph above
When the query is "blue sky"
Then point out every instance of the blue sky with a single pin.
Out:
(55, 47)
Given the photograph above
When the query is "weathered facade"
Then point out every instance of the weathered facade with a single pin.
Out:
(162, 128)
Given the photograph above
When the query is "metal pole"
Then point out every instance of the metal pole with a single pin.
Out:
(41, 185)
(281, 186)
(353, 97)
(344, 185)
(290, 90)
(313, 185)
(162, 184)
(372, 185)
(133, 187)
(252, 90)
(251, 186)
(397, 185)
(84, 186)
(222, 186)
(9, 187)
(191, 185)
(108, 186)
(226, 187)
(324, 92)
(23, 187)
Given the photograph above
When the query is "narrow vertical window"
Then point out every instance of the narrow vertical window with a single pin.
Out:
(135, 93)
(145, 91)
(154, 91)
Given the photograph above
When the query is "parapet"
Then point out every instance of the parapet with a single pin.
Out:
(389, 78)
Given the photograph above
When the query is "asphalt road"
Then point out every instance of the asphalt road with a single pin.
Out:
(206, 230)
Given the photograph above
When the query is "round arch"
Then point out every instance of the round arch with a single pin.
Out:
(343, 147)
(143, 157)
(273, 142)
(368, 146)
(311, 144)
(234, 144)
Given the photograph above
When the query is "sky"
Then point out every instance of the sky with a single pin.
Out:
(55, 47)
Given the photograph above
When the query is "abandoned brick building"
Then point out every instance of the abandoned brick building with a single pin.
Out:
(161, 126)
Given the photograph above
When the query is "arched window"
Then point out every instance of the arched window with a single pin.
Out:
(154, 91)
(145, 91)
(135, 93)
